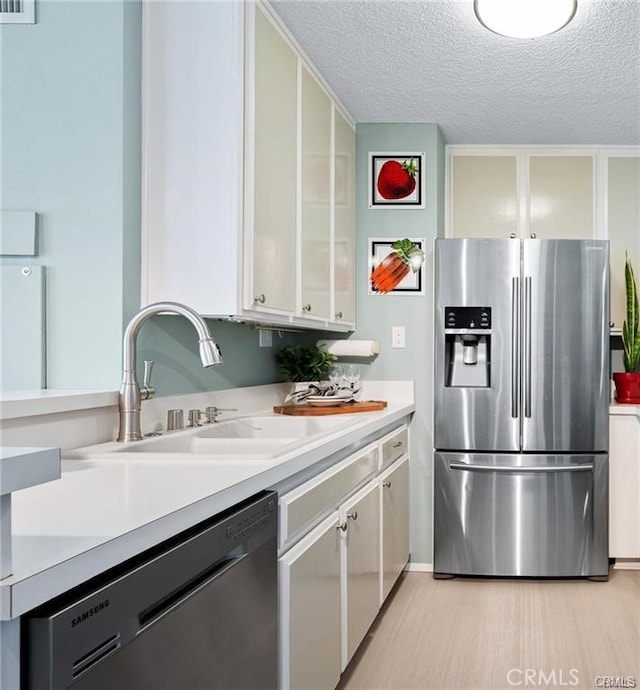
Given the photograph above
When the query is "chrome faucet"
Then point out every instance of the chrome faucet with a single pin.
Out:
(130, 397)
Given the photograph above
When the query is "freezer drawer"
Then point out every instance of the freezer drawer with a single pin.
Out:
(521, 515)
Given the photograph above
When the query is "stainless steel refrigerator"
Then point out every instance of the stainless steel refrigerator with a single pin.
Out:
(521, 407)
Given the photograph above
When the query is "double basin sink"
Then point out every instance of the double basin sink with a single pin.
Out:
(258, 437)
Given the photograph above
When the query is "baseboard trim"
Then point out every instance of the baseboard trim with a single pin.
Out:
(419, 567)
(626, 564)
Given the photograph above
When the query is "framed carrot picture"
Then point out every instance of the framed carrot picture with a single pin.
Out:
(396, 180)
(396, 266)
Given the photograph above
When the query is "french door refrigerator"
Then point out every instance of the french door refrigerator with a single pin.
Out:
(521, 405)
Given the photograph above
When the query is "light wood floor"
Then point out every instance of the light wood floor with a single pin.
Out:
(481, 635)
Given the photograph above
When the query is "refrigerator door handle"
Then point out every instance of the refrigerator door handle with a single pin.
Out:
(515, 346)
(526, 334)
(515, 468)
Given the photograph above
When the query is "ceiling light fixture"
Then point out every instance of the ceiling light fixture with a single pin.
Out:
(524, 18)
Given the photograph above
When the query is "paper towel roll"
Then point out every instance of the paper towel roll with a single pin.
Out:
(350, 348)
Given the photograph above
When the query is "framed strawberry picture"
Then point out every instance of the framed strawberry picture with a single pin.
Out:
(396, 180)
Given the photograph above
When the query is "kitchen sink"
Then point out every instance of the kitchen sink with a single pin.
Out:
(254, 437)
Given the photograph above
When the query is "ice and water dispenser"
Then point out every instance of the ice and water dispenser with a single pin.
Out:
(467, 347)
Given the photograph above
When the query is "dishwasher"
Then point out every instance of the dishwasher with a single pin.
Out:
(197, 613)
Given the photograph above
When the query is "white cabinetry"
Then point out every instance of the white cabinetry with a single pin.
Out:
(394, 508)
(343, 542)
(344, 236)
(621, 172)
(272, 158)
(624, 482)
(241, 146)
(310, 609)
(316, 142)
(360, 518)
(518, 192)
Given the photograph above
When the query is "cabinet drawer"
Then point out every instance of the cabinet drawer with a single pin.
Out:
(303, 506)
(395, 445)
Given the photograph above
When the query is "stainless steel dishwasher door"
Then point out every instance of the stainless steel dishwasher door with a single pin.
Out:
(200, 616)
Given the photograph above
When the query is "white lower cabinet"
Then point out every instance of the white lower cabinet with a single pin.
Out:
(394, 510)
(624, 485)
(344, 541)
(360, 524)
(310, 609)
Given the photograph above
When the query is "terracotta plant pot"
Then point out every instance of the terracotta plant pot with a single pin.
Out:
(627, 387)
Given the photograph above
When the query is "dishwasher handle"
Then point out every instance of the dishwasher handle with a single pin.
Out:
(519, 468)
(160, 608)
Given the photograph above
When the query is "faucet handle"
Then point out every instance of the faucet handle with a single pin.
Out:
(147, 390)
(212, 412)
(194, 418)
(175, 420)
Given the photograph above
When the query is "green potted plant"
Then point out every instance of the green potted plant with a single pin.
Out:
(300, 363)
(628, 382)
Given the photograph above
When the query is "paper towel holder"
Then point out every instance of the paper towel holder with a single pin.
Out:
(350, 348)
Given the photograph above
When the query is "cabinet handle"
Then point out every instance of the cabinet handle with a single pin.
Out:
(260, 298)
(338, 315)
(512, 235)
(353, 516)
(397, 444)
(612, 324)
(533, 235)
(307, 307)
(342, 526)
(387, 484)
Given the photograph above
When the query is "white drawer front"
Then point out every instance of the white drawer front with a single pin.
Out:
(395, 445)
(302, 506)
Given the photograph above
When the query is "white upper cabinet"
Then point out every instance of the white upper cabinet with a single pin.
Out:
(344, 239)
(239, 178)
(315, 234)
(561, 196)
(272, 160)
(622, 220)
(483, 195)
(518, 192)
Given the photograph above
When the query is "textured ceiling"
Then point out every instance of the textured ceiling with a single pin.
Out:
(431, 61)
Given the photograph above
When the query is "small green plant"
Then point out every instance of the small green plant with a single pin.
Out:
(631, 326)
(304, 362)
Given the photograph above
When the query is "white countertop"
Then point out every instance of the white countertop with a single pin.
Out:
(624, 409)
(22, 467)
(102, 512)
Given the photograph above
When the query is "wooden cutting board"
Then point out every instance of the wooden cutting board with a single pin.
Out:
(346, 408)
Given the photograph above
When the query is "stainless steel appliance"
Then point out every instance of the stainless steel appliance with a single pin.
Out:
(199, 613)
(521, 408)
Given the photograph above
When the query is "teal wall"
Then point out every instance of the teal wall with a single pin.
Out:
(70, 151)
(378, 313)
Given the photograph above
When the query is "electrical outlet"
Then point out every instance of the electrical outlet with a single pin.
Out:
(265, 338)
(397, 336)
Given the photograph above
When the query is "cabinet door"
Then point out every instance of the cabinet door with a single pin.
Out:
(274, 169)
(624, 487)
(483, 195)
(344, 221)
(361, 567)
(623, 226)
(561, 197)
(315, 203)
(310, 610)
(394, 489)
